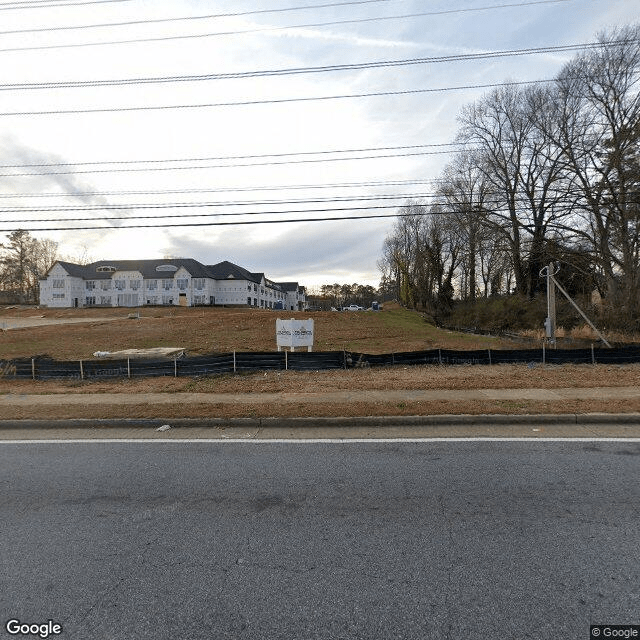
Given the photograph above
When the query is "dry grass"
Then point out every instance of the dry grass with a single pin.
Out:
(459, 377)
(224, 330)
(214, 330)
(352, 409)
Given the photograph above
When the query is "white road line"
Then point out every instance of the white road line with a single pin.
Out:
(313, 440)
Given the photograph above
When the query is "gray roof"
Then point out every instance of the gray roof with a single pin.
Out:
(148, 268)
(74, 270)
(290, 286)
(227, 270)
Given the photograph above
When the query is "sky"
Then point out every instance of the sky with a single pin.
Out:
(184, 152)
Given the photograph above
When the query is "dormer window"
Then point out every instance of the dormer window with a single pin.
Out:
(106, 269)
(166, 267)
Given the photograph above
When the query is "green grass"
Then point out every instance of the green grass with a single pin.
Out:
(416, 325)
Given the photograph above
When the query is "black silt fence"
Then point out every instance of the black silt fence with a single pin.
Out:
(315, 361)
(45, 369)
(618, 356)
(16, 369)
(204, 365)
(260, 361)
(517, 356)
(239, 362)
(105, 369)
(480, 356)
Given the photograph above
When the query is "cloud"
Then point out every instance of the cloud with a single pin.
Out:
(316, 252)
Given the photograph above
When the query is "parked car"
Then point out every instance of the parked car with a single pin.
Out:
(353, 307)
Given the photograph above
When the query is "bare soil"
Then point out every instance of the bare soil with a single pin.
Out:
(224, 330)
(204, 330)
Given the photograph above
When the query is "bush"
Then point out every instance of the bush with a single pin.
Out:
(509, 313)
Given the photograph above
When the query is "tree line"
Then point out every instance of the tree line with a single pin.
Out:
(24, 260)
(547, 172)
(336, 296)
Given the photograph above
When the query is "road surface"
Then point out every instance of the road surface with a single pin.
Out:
(307, 540)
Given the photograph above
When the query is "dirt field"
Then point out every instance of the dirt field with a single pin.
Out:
(213, 330)
(225, 330)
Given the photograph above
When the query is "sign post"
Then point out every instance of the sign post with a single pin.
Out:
(294, 333)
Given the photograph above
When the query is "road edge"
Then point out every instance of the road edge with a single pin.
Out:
(310, 422)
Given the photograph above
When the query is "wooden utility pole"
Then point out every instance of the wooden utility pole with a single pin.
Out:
(550, 322)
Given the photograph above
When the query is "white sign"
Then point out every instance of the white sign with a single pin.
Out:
(294, 333)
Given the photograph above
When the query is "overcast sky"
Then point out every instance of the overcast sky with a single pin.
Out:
(214, 146)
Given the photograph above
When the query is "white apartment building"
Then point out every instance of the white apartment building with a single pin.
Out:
(180, 281)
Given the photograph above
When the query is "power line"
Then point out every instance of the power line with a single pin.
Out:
(262, 73)
(211, 16)
(242, 157)
(384, 156)
(243, 31)
(339, 185)
(40, 5)
(274, 101)
(129, 23)
(198, 205)
(397, 214)
(234, 222)
(415, 198)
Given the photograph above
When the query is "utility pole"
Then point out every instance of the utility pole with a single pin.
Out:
(550, 321)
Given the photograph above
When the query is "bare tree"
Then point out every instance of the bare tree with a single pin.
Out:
(522, 170)
(599, 110)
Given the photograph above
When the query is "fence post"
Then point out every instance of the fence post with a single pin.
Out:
(286, 360)
(33, 369)
(544, 355)
(489, 350)
(344, 358)
(439, 356)
(175, 367)
(234, 362)
(593, 355)
(128, 367)
(393, 358)
(81, 371)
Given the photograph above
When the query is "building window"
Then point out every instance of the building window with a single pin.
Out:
(90, 300)
(249, 300)
(134, 284)
(198, 283)
(58, 284)
(167, 285)
(182, 283)
(127, 299)
(105, 285)
(120, 284)
(90, 285)
(58, 296)
(152, 285)
(106, 300)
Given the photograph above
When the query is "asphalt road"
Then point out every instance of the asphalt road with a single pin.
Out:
(236, 540)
